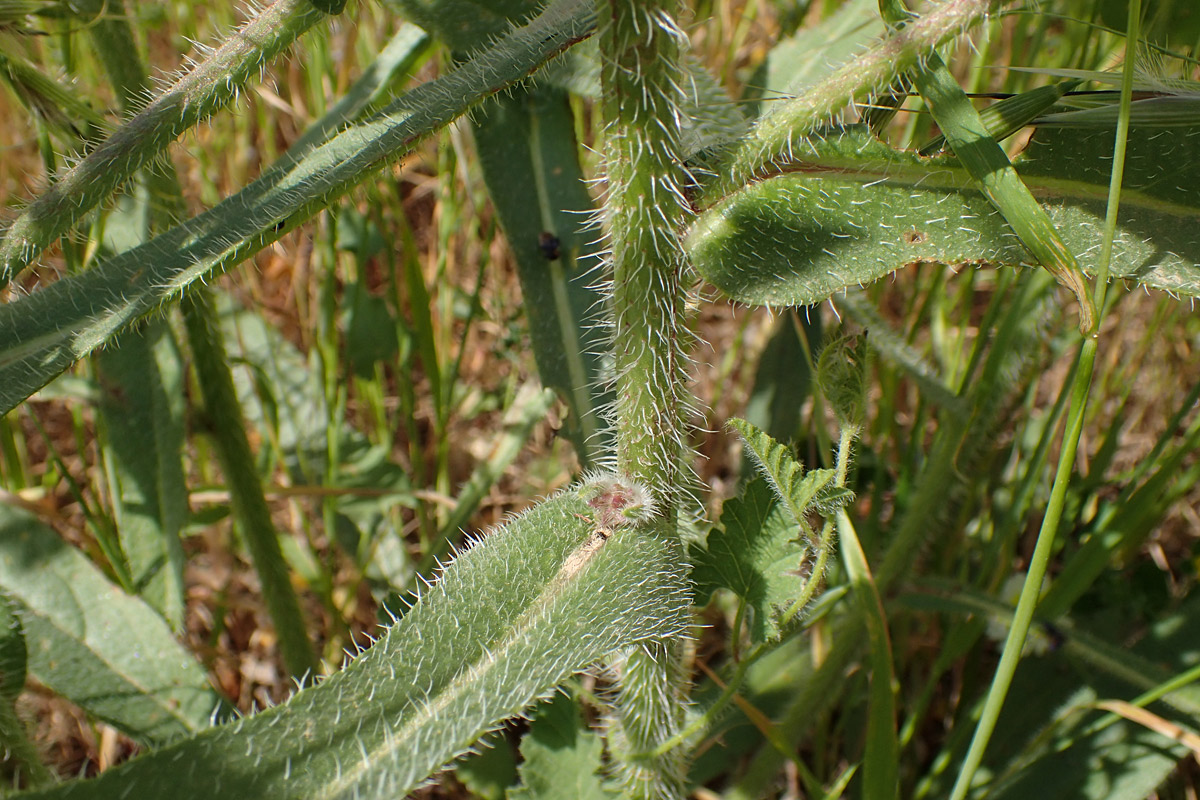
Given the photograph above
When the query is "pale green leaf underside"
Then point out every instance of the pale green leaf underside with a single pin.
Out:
(515, 616)
(102, 649)
(853, 210)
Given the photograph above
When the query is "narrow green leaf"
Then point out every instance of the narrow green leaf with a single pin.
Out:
(1047, 743)
(855, 210)
(280, 391)
(881, 761)
(529, 407)
(755, 554)
(42, 334)
(988, 164)
(530, 160)
(1009, 115)
(110, 653)
(393, 63)
(51, 101)
(141, 411)
(227, 430)
(512, 618)
(562, 758)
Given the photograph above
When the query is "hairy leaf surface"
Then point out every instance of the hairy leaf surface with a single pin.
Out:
(511, 619)
(756, 554)
(852, 210)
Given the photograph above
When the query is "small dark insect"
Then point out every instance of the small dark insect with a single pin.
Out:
(549, 244)
(1054, 636)
(914, 237)
(280, 225)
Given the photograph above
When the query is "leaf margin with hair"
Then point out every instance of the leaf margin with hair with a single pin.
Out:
(854, 210)
(558, 596)
(44, 333)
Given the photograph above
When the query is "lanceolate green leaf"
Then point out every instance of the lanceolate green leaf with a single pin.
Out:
(141, 408)
(511, 619)
(43, 334)
(530, 162)
(106, 651)
(852, 210)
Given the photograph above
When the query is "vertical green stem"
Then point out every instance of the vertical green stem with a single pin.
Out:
(645, 209)
(1039, 562)
(228, 430)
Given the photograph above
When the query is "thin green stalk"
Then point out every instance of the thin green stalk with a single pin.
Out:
(194, 97)
(224, 416)
(1080, 390)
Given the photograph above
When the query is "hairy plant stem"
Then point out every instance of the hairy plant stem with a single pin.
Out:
(194, 97)
(645, 211)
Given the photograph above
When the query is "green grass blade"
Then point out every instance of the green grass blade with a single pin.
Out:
(110, 653)
(43, 334)
(987, 163)
(141, 411)
(226, 426)
(881, 761)
(1011, 114)
(530, 161)
(395, 60)
(529, 407)
(511, 619)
